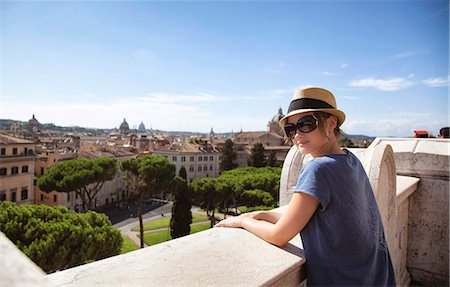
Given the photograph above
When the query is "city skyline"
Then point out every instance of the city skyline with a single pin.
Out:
(190, 66)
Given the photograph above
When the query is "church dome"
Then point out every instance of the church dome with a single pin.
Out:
(33, 121)
(141, 127)
(124, 125)
(276, 118)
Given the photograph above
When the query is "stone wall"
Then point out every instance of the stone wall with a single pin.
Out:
(428, 229)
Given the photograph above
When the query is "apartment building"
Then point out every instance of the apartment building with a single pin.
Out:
(44, 161)
(199, 159)
(17, 161)
(244, 141)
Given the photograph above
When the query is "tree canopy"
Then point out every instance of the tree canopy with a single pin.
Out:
(228, 160)
(248, 186)
(180, 222)
(84, 176)
(149, 175)
(257, 157)
(57, 238)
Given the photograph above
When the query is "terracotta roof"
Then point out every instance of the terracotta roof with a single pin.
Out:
(9, 139)
(421, 132)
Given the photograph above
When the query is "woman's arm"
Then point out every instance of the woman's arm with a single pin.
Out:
(291, 222)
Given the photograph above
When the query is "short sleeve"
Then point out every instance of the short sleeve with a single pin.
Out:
(314, 181)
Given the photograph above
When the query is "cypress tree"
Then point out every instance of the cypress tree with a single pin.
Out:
(180, 222)
(228, 156)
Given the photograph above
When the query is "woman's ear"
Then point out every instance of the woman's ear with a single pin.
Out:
(332, 122)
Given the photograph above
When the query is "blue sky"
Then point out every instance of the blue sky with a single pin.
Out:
(193, 65)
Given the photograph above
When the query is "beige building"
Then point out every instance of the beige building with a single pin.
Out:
(271, 141)
(199, 159)
(17, 160)
(44, 161)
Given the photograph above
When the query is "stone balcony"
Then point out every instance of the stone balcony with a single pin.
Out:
(410, 178)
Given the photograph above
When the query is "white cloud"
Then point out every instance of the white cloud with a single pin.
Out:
(401, 125)
(391, 84)
(437, 82)
(344, 65)
(410, 54)
(196, 112)
(328, 73)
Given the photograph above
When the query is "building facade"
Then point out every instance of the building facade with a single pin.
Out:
(199, 159)
(17, 160)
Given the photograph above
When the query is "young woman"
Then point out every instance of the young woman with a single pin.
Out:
(333, 208)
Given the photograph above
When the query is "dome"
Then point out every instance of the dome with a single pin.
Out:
(124, 125)
(33, 121)
(276, 118)
(141, 127)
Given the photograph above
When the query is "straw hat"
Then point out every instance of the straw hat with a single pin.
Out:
(313, 100)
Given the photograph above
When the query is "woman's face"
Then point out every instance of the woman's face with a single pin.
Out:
(311, 142)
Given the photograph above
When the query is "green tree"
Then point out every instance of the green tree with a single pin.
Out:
(250, 178)
(228, 156)
(272, 159)
(256, 197)
(257, 158)
(205, 195)
(346, 142)
(57, 238)
(153, 173)
(180, 222)
(84, 176)
(182, 173)
(227, 189)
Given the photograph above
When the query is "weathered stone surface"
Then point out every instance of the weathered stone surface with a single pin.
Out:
(428, 245)
(428, 227)
(215, 257)
(16, 269)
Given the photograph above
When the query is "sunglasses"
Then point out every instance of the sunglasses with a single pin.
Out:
(305, 125)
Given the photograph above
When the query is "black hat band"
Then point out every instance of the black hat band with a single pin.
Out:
(305, 103)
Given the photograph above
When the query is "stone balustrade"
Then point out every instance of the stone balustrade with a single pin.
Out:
(234, 257)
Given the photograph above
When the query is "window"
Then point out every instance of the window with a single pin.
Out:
(191, 168)
(14, 151)
(24, 193)
(199, 168)
(68, 196)
(3, 171)
(200, 158)
(205, 158)
(25, 151)
(210, 167)
(2, 151)
(192, 158)
(42, 197)
(174, 158)
(183, 158)
(13, 194)
(205, 168)
(211, 158)
(55, 198)
(24, 168)
(3, 195)
(15, 170)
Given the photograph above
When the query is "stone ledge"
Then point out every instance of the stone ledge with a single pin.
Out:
(214, 257)
(406, 185)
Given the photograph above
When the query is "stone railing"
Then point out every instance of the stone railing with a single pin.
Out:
(234, 257)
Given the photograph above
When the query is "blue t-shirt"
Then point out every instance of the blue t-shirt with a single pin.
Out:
(344, 240)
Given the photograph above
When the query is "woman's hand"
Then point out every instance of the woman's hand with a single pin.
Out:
(235, 222)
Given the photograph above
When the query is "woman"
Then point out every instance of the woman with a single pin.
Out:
(333, 208)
